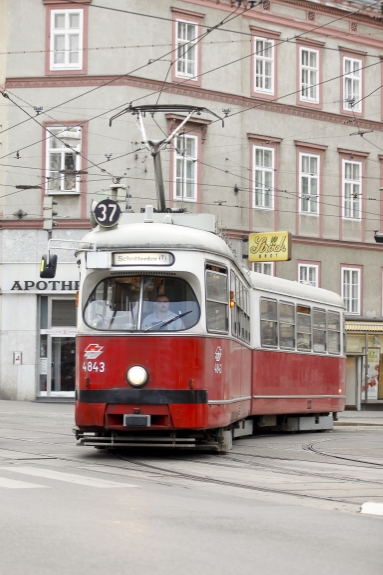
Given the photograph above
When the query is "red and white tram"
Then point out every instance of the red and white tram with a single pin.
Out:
(181, 345)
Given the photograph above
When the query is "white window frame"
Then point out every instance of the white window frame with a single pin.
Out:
(184, 159)
(259, 179)
(348, 297)
(312, 199)
(305, 269)
(352, 192)
(67, 32)
(187, 60)
(63, 133)
(263, 266)
(261, 60)
(352, 85)
(312, 78)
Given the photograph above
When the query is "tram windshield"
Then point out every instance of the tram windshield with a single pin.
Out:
(142, 303)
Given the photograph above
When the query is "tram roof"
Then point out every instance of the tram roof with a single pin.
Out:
(294, 289)
(149, 236)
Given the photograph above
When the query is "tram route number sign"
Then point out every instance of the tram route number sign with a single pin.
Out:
(270, 247)
(107, 213)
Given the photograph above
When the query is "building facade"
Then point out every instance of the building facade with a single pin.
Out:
(299, 85)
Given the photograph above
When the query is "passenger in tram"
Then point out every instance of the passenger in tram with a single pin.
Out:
(161, 318)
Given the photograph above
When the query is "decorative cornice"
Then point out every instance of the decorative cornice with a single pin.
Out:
(190, 92)
(310, 145)
(352, 51)
(38, 224)
(183, 12)
(264, 32)
(264, 139)
(353, 153)
(310, 42)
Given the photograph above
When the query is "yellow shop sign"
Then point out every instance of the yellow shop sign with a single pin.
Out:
(270, 247)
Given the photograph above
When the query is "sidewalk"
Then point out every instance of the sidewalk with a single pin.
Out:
(360, 418)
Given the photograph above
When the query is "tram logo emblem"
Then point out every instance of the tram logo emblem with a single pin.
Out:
(218, 353)
(93, 350)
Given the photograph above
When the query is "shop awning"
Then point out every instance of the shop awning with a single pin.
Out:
(365, 326)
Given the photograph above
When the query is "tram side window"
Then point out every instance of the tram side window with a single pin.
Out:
(269, 323)
(287, 325)
(319, 330)
(217, 301)
(333, 326)
(240, 319)
(303, 328)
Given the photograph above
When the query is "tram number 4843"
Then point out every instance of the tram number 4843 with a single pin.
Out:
(93, 366)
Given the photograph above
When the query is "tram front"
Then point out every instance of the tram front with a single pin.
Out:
(142, 345)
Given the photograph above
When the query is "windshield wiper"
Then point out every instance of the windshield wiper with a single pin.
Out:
(162, 323)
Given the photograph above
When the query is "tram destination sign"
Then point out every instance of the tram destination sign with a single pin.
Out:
(270, 247)
(143, 259)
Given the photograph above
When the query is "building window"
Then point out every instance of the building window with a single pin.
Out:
(309, 75)
(63, 159)
(309, 182)
(66, 39)
(263, 177)
(351, 290)
(186, 49)
(186, 168)
(351, 176)
(266, 268)
(352, 84)
(264, 65)
(308, 274)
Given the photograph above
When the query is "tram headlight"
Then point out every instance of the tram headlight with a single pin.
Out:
(137, 376)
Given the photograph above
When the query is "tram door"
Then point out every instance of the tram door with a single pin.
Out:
(57, 347)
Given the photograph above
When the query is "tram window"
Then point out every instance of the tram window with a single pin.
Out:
(269, 323)
(217, 301)
(287, 326)
(303, 328)
(240, 320)
(333, 325)
(143, 303)
(319, 330)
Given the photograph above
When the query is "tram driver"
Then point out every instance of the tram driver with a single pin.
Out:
(162, 318)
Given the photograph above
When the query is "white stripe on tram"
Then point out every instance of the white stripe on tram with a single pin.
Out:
(68, 477)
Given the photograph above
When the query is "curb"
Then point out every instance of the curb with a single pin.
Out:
(356, 423)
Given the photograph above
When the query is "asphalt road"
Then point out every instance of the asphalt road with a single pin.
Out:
(277, 504)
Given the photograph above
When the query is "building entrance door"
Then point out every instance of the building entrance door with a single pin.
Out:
(57, 347)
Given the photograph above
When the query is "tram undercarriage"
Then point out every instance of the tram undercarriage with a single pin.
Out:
(220, 439)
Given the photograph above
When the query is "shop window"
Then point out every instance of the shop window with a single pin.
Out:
(63, 159)
(64, 313)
